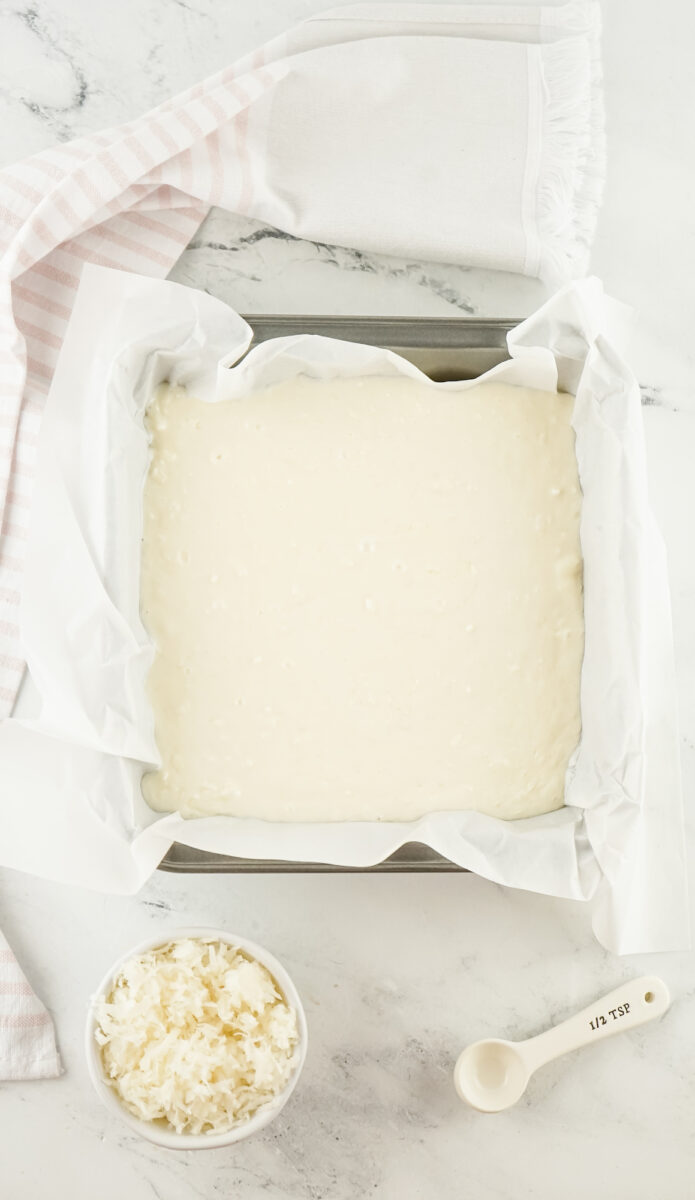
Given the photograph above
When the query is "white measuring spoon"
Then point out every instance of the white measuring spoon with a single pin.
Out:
(492, 1075)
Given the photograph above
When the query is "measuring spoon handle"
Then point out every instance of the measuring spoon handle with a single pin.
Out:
(625, 1008)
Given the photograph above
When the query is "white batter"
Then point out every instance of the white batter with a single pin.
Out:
(366, 598)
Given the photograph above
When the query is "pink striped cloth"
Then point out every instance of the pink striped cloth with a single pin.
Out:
(124, 198)
(27, 1039)
(322, 132)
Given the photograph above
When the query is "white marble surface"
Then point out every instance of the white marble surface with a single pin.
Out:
(397, 973)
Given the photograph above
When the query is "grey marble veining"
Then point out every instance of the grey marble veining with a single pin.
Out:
(257, 268)
(397, 973)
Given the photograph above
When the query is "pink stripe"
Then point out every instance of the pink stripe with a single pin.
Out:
(41, 228)
(34, 367)
(16, 531)
(6, 694)
(10, 664)
(22, 469)
(41, 335)
(9, 629)
(71, 150)
(239, 92)
(15, 987)
(23, 1020)
(136, 148)
(158, 227)
(216, 167)
(135, 247)
(81, 178)
(18, 502)
(165, 196)
(24, 259)
(241, 123)
(165, 138)
(6, 955)
(29, 439)
(84, 255)
(50, 169)
(62, 277)
(9, 595)
(213, 107)
(196, 91)
(66, 209)
(115, 207)
(117, 173)
(40, 387)
(39, 301)
(141, 195)
(186, 119)
(23, 189)
(13, 565)
(186, 169)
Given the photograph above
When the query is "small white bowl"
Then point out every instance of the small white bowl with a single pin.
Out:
(158, 1131)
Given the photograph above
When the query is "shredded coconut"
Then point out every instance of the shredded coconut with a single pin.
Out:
(197, 1034)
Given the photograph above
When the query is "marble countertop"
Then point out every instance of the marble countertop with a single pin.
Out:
(398, 973)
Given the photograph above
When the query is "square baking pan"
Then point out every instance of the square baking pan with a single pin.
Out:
(454, 348)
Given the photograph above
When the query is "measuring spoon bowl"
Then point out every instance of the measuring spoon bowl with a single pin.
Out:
(491, 1075)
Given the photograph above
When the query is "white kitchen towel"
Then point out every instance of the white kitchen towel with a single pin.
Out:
(27, 1039)
(469, 134)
